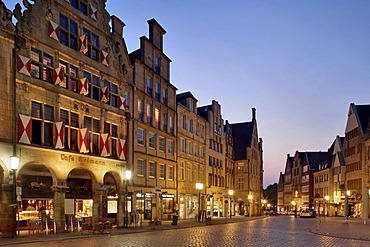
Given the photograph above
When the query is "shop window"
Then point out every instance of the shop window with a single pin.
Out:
(68, 32)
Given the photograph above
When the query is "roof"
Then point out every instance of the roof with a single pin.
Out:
(363, 114)
(203, 111)
(314, 159)
(242, 138)
(181, 97)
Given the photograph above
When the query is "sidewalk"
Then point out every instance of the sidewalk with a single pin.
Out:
(166, 225)
(340, 228)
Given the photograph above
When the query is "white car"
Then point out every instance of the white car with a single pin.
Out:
(306, 213)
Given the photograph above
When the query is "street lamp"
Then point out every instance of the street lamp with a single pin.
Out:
(127, 178)
(14, 165)
(327, 198)
(199, 187)
(250, 198)
(231, 192)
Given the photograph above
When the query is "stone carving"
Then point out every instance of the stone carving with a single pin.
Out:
(6, 17)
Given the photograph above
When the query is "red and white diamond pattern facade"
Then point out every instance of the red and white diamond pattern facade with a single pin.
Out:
(104, 94)
(54, 30)
(59, 76)
(93, 12)
(82, 44)
(24, 129)
(83, 140)
(104, 57)
(122, 103)
(121, 149)
(24, 65)
(84, 86)
(104, 145)
(59, 129)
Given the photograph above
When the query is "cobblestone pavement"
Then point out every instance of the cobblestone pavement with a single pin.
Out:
(269, 231)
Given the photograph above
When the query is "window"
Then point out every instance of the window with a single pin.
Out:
(42, 65)
(156, 117)
(195, 173)
(164, 96)
(170, 173)
(182, 121)
(189, 172)
(201, 172)
(190, 148)
(172, 130)
(70, 120)
(149, 114)
(93, 45)
(196, 129)
(149, 87)
(68, 32)
(241, 167)
(164, 122)
(170, 146)
(140, 137)
(192, 106)
(162, 144)
(42, 124)
(195, 149)
(127, 97)
(94, 86)
(157, 91)
(182, 145)
(201, 153)
(151, 140)
(113, 93)
(141, 168)
(93, 127)
(112, 130)
(157, 65)
(152, 169)
(80, 5)
(182, 171)
(190, 125)
(162, 171)
(140, 109)
(70, 80)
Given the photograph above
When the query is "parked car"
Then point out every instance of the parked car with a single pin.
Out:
(308, 213)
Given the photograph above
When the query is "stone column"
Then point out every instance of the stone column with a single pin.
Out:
(6, 212)
(98, 203)
(59, 205)
(121, 208)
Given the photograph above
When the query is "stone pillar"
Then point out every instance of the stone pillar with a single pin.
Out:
(6, 212)
(121, 209)
(98, 203)
(59, 204)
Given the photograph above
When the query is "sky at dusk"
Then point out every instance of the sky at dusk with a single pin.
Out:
(299, 63)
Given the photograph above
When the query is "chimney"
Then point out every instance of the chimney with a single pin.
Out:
(253, 113)
(117, 25)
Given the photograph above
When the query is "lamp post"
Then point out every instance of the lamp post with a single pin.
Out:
(295, 208)
(346, 209)
(231, 192)
(199, 187)
(127, 178)
(14, 165)
(250, 198)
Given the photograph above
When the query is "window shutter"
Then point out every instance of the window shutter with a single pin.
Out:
(24, 65)
(83, 86)
(104, 94)
(104, 57)
(58, 76)
(121, 149)
(93, 12)
(122, 103)
(83, 141)
(59, 129)
(104, 145)
(54, 30)
(24, 129)
(82, 44)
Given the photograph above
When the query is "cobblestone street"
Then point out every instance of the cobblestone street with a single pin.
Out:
(270, 231)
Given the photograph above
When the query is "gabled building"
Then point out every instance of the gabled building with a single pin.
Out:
(280, 195)
(249, 167)
(288, 183)
(69, 83)
(154, 129)
(215, 159)
(191, 160)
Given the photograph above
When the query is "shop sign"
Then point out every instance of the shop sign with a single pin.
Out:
(81, 159)
(19, 191)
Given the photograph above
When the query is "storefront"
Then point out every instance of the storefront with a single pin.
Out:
(188, 206)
